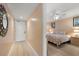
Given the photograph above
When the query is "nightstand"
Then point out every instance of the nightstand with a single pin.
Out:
(75, 41)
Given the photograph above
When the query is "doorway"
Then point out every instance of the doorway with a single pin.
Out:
(20, 30)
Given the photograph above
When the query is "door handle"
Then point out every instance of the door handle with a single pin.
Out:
(24, 31)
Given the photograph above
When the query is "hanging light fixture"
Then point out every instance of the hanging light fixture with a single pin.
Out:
(58, 14)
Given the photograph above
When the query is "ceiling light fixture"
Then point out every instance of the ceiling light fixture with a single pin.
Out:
(58, 14)
(21, 17)
(56, 17)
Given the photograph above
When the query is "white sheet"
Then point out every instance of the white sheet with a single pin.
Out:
(56, 38)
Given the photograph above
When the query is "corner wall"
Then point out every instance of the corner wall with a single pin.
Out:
(34, 30)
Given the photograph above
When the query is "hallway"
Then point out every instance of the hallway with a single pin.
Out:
(23, 30)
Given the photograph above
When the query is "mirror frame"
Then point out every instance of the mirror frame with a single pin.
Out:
(3, 31)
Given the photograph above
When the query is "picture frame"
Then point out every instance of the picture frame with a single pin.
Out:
(53, 24)
(76, 21)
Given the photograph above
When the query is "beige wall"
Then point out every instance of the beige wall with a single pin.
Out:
(6, 42)
(65, 25)
(34, 30)
(10, 34)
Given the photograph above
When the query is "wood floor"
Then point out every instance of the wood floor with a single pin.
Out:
(16, 49)
(4, 48)
(22, 49)
(64, 50)
(19, 49)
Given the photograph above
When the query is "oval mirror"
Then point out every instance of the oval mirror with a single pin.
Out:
(3, 21)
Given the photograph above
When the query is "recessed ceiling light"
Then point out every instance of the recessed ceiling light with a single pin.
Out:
(21, 17)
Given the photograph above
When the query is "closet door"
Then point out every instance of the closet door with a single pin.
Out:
(20, 30)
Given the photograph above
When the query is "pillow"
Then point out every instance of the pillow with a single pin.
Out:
(62, 33)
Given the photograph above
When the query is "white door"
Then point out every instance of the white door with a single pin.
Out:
(20, 30)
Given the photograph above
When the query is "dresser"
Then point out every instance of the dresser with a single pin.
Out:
(75, 41)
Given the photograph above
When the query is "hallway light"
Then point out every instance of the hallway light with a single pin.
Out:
(34, 19)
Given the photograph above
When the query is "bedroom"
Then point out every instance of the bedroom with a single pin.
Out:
(63, 29)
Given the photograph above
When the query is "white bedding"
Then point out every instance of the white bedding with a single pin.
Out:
(56, 38)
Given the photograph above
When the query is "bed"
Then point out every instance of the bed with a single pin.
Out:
(57, 38)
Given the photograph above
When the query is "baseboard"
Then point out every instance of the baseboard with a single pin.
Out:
(32, 49)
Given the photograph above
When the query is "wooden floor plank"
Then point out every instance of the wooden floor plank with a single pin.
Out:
(64, 50)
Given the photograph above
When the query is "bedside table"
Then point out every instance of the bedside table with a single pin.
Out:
(75, 41)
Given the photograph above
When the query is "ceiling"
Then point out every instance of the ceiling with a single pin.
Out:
(61, 6)
(22, 10)
(53, 8)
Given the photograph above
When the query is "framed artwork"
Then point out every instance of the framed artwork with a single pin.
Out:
(53, 24)
(76, 21)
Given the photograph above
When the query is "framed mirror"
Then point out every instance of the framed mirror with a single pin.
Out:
(3, 21)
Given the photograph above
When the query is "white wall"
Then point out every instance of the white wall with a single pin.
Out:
(44, 27)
